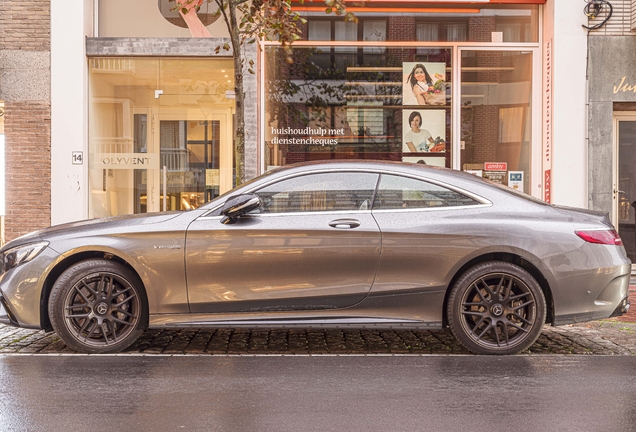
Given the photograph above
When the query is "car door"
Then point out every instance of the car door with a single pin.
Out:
(313, 244)
(425, 228)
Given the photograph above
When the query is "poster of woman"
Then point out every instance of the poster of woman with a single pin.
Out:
(424, 83)
(424, 131)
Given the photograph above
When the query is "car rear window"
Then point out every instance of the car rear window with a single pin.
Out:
(396, 192)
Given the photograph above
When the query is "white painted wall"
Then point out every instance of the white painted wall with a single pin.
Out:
(569, 101)
(71, 21)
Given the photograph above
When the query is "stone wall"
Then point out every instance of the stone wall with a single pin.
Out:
(611, 81)
(25, 87)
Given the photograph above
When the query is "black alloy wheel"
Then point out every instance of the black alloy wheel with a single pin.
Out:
(98, 306)
(496, 308)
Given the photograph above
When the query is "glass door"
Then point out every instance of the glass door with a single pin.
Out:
(497, 115)
(625, 182)
(195, 160)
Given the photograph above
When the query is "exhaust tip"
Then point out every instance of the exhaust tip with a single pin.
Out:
(622, 308)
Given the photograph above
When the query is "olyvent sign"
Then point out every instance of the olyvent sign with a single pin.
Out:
(125, 160)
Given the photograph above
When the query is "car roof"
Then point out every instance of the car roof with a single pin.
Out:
(379, 165)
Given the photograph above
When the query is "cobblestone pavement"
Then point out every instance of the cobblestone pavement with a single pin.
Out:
(608, 337)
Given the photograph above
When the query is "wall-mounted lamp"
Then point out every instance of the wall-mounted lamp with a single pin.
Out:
(206, 103)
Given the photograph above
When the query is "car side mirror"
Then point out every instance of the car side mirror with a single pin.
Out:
(237, 206)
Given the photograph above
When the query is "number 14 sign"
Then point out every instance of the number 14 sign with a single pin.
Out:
(78, 158)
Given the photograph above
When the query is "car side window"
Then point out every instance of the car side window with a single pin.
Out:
(319, 192)
(395, 192)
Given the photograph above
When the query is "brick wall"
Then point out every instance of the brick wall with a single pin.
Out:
(24, 25)
(485, 133)
(485, 117)
(25, 75)
(27, 127)
(401, 28)
(480, 29)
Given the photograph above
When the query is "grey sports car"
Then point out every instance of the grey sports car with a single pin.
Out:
(332, 244)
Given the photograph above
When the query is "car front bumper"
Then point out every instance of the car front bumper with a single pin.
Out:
(21, 290)
(5, 315)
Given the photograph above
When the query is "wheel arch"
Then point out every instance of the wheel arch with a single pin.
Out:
(65, 264)
(510, 258)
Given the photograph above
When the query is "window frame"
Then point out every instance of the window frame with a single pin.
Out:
(472, 196)
(482, 202)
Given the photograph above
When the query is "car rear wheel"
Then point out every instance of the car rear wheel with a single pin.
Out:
(98, 306)
(496, 308)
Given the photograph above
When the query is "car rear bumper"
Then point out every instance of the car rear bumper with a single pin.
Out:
(611, 301)
(622, 308)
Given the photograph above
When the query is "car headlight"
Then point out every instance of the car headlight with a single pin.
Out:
(21, 254)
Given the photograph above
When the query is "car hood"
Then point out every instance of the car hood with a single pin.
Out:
(93, 224)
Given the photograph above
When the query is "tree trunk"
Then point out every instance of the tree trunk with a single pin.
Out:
(239, 94)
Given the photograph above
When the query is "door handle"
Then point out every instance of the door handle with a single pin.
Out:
(344, 223)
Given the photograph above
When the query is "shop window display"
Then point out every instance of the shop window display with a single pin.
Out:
(345, 100)
(316, 110)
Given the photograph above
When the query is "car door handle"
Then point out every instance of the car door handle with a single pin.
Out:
(344, 223)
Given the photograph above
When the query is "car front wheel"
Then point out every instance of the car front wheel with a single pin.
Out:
(496, 308)
(98, 306)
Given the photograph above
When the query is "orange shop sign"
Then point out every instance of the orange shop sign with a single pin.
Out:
(495, 166)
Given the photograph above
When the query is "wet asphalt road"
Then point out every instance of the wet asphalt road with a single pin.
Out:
(317, 393)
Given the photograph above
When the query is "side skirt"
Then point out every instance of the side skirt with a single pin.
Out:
(404, 310)
(212, 321)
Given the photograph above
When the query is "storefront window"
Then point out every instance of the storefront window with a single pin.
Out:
(354, 92)
(385, 103)
(160, 133)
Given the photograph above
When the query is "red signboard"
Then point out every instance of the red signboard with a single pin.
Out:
(546, 187)
(495, 166)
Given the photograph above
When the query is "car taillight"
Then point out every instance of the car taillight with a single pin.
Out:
(607, 237)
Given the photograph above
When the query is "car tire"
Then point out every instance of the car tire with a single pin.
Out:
(496, 307)
(98, 306)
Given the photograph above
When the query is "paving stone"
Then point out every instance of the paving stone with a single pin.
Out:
(198, 342)
(218, 342)
(607, 337)
(297, 341)
(258, 341)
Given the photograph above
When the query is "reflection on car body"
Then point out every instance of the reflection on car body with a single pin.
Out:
(332, 244)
